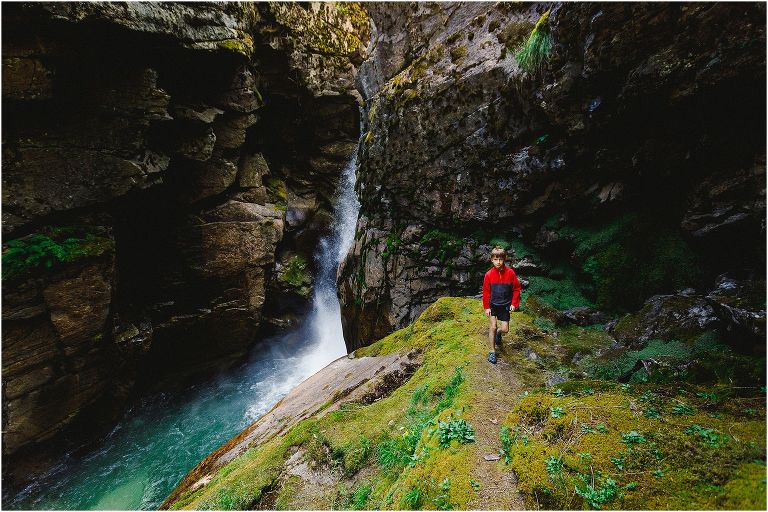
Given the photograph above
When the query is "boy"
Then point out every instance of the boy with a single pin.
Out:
(501, 294)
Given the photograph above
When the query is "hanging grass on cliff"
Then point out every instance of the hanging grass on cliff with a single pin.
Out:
(534, 52)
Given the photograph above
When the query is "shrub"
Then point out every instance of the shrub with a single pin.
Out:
(458, 430)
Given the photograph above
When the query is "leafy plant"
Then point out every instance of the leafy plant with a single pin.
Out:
(707, 434)
(475, 485)
(682, 408)
(544, 324)
(652, 413)
(587, 429)
(443, 499)
(506, 443)
(607, 491)
(413, 499)
(52, 247)
(556, 412)
(618, 462)
(632, 437)
(458, 430)
(554, 466)
(360, 496)
(602, 428)
(559, 393)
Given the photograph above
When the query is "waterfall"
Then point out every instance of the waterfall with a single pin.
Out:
(159, 440)
(325, 317)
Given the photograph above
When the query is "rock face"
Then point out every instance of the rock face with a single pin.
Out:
(617, 168)
(199, 145)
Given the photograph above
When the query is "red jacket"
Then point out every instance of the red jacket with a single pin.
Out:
(501, 288)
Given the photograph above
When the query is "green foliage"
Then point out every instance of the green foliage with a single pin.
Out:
(277, 192)
(412, 500)
(453, 429)
(52, 247)
(443, 245)
(613, 365)
(632, 438)
(652, 413)
(606, 492)
(683, 409)
(545, 324)
(633, 257)
(443, 499)
(556, 412)
(534, 53)
(707, 434)
(561, 294)
(360, 497)
(554, 466)
(506, 443)
(618, 462)
(295, 272)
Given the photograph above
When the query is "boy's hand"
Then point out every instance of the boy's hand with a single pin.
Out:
(488, 312)
(512, 308)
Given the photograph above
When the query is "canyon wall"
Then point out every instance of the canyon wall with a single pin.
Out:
(629, 162)
(167, 171)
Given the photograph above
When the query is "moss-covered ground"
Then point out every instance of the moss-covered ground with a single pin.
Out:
(578, 444)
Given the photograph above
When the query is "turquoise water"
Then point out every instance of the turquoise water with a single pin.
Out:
(158, 441)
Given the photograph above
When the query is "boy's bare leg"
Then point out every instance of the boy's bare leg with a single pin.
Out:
(492, 333)
(504, 327)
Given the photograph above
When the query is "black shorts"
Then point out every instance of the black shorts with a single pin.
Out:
(501, 312)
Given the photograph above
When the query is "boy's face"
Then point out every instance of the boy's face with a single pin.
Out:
(498, 261)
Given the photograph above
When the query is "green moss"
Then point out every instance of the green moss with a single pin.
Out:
(633, 257)
(277, 191)
(458, 54)
(513, 34)
(242, 45)
(296, 274)
(53, 247)
(534, 53)
(443, 245)
(668, 470)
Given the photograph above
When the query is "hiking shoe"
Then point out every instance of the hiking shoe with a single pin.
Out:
(492, 357)
(498, 338)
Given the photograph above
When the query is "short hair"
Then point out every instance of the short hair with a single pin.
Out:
(499, 251)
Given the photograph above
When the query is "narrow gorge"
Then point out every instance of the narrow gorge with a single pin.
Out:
(206, 206)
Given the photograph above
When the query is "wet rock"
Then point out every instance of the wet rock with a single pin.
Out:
(584, 316)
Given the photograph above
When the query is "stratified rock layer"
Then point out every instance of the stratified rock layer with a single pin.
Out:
(203, 144)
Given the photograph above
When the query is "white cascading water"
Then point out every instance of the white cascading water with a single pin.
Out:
(159, 440)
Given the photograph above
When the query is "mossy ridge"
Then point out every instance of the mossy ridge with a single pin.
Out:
(389, 451)
(667, 467)
(53, 247)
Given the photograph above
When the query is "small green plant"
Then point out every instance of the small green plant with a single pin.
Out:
(475, 485)
(443, 499)
(707, 434)
(544, 324)
(559, 393)
(683, 409)
(648, 396)
(506, 443)
(652, 413)
(632, 437)
(413, 499)
(554, 466)
(707, 396)
(750, 411)
(657, 473)
(618, 462)
(295, 272)
(360, 497)
(584, 457)
(587, 429)
(534, 53)
(625, 387)
(602, 428)
(605, 493)
(458, 430)
(556, 412)
(588, 391)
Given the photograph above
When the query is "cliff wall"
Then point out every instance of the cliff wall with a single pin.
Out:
(167, 170)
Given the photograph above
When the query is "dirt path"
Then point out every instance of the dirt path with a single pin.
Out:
(498, 485)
